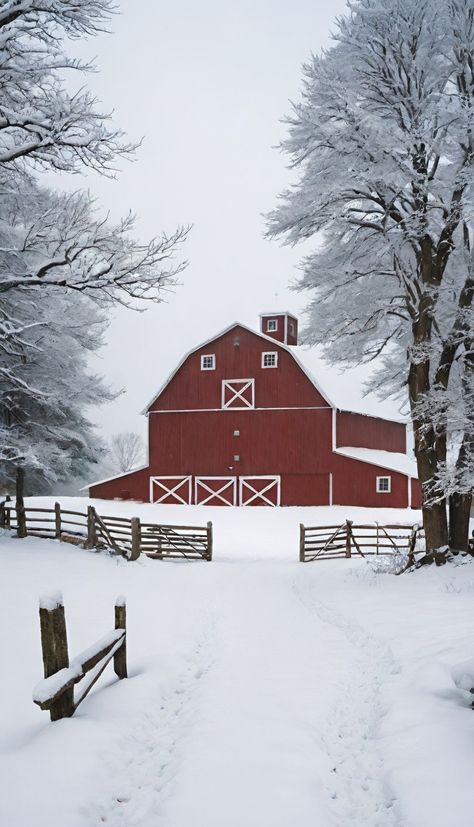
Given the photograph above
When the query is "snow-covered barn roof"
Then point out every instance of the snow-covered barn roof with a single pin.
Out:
(403, 463)
(341, 388)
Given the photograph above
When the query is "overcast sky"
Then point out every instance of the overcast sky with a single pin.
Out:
(207, 84)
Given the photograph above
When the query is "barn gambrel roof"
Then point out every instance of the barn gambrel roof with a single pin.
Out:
(345, 395)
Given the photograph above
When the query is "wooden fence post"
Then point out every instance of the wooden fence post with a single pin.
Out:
(8, 513)
(302, 543)
(91, 531)
(209, 541)
(57, 520)
(120, 657)
(136, 541)
(3, 515)
(348, 537)
(21, 529)
(55, 652)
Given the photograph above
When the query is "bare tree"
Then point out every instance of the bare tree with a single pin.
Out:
(127, 450)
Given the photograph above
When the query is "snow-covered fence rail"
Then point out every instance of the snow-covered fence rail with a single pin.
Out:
(56, 691)
(126, 536)
(347, 539)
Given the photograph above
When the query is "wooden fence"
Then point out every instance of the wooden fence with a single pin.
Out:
(56, 692)
(342, 541)
(127, 536)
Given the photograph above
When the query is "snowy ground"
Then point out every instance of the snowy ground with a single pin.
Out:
(261, 692)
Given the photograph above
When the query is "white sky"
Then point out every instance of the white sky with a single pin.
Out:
(207, 85)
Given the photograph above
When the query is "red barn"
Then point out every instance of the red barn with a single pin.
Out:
(243, 420)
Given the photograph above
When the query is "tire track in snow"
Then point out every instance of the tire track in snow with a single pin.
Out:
(151, 754)
(359, 786)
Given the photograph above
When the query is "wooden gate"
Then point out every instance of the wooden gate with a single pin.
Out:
(347, 539)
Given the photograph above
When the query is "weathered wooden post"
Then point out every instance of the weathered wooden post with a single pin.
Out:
(302, 543)
(21, 529)
(120, 657)
(136, 539)
(57, 520)
(91, 530)
(3, 515)
(377, 546)
(55, 651)
(8, 512)
(209, 541)
(348, 537)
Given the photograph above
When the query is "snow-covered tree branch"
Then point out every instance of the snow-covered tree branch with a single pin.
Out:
(383, 143)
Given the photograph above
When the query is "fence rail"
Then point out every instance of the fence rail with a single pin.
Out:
(126, 536)
(343, 541)
(56, 691)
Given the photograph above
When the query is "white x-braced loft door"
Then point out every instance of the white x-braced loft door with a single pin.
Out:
(171, 490)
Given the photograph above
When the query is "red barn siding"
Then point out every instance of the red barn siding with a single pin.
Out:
(354, 483)
(270, 442)
(284, 386)
(305, 489)
(135, 486)
(360, 431)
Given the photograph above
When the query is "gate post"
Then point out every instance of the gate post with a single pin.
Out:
(91, 532)
(302, 543)
(136, 538)
(57, 520)
(209, 541)
(348, 537)
(120, 657)
(55, 652)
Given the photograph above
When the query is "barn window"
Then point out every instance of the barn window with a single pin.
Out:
(384, 485)
(236, 433)
(291, 328)
(272, 325)
(236, 457)
(270, 359)
(208, 362)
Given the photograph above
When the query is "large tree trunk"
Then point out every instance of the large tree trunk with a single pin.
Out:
(459, 514)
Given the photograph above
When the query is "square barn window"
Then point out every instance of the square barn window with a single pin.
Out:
(384, 485)
(270, 359)
(208, 362)
(272, 325)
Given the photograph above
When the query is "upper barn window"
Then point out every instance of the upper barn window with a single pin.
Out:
(272, 325)
(208, 362)
(384, 485)
(270, 359)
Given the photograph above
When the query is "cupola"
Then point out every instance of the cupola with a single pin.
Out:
(282, 326)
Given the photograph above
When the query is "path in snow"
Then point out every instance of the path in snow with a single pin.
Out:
(274, 722)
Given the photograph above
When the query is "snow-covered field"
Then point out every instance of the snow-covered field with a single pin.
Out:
(261, 691)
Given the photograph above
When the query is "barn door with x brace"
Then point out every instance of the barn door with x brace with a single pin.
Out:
(264, 490)
(215, 490)
(171, 490)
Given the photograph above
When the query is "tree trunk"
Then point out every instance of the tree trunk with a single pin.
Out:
(20, 503)
(459, 514)
(435, 523)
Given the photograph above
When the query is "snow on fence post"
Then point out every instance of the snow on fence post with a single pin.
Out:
(348, 537)
(302, 543)
(57, 520)
(209, 541)
(136, 540)
(55, 651)
(120, 657)
(91, 530)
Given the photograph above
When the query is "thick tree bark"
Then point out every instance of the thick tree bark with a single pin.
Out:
(459, 514)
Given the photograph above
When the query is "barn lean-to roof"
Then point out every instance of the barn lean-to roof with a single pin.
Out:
(310, 362)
